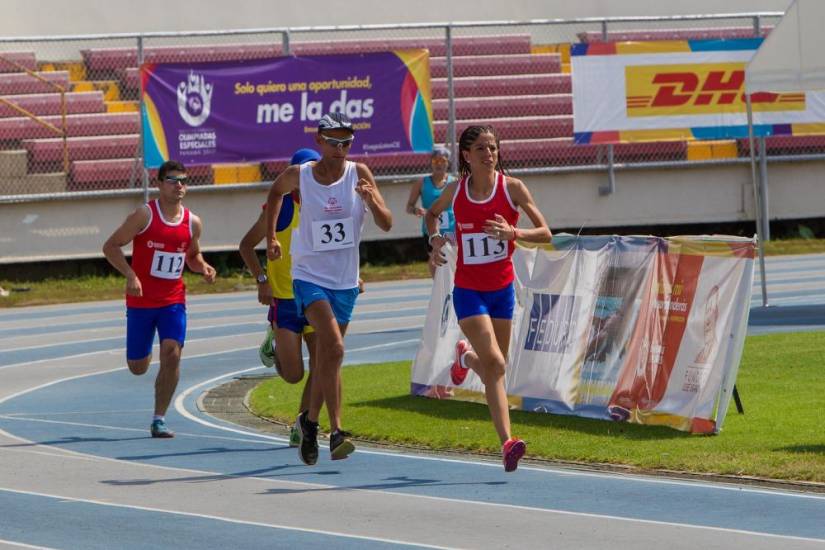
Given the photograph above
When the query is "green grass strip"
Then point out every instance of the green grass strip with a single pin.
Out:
(780, 436)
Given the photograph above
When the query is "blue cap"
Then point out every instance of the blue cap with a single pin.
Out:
(304, 155)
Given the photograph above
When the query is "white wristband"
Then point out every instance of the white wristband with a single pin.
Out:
(433, 236)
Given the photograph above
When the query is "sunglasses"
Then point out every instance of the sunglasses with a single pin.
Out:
(183, 180)
(335, 142)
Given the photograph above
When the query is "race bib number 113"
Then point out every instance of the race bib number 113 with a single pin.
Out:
(481, 248)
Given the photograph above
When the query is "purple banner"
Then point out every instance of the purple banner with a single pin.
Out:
(250, 111)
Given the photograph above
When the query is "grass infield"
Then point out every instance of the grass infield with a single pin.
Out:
(780, 436)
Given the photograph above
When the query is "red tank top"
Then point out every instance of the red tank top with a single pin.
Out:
(483, 261)
(158, 258)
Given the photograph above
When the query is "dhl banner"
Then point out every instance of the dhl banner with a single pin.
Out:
(680, 90)
(637, 329)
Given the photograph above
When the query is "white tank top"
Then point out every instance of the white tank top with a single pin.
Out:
(325, 244)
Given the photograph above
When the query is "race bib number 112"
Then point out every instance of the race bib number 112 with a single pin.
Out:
(167, 265)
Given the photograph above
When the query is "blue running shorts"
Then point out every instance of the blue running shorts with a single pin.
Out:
(341, 301)
(142, 322)
(283, 313)
(497, 304)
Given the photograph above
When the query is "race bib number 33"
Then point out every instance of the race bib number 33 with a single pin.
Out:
(332, 235)
(167, 265)
(481, 248)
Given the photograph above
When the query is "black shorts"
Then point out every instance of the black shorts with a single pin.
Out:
(427, 244)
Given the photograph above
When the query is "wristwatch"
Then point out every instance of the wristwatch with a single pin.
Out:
(262, 278)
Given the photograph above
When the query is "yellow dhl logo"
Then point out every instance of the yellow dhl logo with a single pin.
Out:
(697, 89)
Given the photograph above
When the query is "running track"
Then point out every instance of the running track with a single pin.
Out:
(78, 470)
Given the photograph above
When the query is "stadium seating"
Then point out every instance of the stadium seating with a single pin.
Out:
(521, 88)
(10, 62)
(95, 124)
(50, 104)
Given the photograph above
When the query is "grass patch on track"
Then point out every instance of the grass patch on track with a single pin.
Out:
(780, 436)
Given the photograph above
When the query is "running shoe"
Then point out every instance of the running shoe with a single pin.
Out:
(618, 413)
(512, 451)
(267, 350)
(159, 429)
(457, 372)
(340, 447)
(308, 439)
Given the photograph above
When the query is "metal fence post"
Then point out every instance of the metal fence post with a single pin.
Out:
(757, 26)
(451, 140)
(763, 188)
(285, 42)
(611, 174)
(140, 161)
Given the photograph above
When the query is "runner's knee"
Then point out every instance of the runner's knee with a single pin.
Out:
(139, 366)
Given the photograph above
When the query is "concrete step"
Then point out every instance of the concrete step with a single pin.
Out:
(13, 164)
(35, 183)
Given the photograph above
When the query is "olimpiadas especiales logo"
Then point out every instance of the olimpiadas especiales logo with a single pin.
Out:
(194, 100)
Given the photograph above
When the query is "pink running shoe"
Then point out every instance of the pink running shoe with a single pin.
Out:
(457, 372)
(512, 451)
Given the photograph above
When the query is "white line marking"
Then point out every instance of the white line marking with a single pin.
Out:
(226, 520)
(24, 545)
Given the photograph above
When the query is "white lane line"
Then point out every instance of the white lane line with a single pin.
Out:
(181, 408)
(316, 486)
(321, 487)
(228, 520)
(35, 413)
(24, 545)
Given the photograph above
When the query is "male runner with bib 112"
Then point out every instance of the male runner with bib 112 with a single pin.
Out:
(485, 204)
(164, 237)
(335, 196)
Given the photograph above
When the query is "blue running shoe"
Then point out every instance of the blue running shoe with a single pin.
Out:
(159, 429)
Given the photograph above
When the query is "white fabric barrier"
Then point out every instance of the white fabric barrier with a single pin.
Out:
(640, 329)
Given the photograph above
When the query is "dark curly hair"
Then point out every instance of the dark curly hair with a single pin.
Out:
(468, 137)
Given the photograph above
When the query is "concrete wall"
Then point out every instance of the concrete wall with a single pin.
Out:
(49, 17)
(32, 231)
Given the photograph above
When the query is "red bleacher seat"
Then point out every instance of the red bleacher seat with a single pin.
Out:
(503, 86)
(650, 151)
(792, 145)
(515, 128)
(23, 83)
(502, 106)
(77, 125)
(488, 65)
(10, 62)
(49, 104)
(130, 78)
(112, 173)
(45, 153)
(643, 35)
(107, 59)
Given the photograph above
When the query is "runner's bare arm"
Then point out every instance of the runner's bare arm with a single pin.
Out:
(415, 192)
(286, 182)
(523, 199)
(194, 258)
(123, 235)
(431, 218)
(255, 235)
(368, 190)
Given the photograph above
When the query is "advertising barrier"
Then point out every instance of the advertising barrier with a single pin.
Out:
(639, 329)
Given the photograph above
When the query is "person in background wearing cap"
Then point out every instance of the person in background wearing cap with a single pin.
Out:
(335, 196)
(286, 324)
(429, 189)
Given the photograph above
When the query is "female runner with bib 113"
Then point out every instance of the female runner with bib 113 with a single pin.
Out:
(485, 205)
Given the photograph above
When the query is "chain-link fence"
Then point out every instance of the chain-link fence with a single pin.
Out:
(70, 107)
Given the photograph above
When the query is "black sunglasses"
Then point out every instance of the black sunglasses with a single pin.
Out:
(335, 142)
